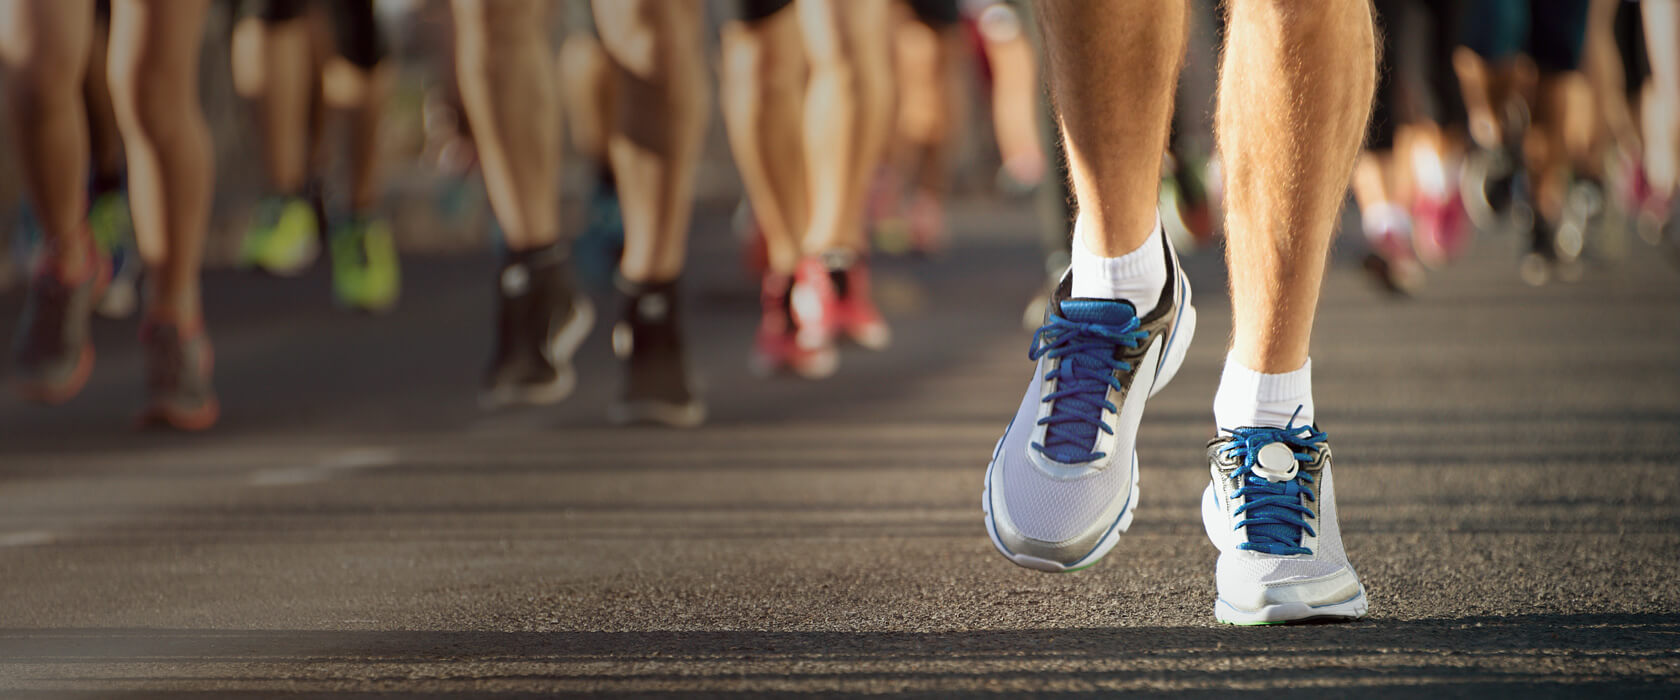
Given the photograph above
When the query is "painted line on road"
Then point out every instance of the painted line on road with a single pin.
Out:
(333, 465)
(26, 538)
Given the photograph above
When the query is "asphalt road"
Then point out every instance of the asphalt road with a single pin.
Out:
(1508, 463)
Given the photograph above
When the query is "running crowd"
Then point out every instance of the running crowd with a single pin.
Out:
(1557, 119)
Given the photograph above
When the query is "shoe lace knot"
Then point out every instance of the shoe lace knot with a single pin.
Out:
(1088, 357)
(1273, 489)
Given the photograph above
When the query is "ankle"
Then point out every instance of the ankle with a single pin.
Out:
(1248, 398)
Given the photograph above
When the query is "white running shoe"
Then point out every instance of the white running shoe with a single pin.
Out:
(1062, 483)
(1271, 511)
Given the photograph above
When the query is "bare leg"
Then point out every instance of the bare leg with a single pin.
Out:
(1107, 61)
(505, 71)
(154, 85)
(1294, 98)
(586, 88)
(655, 147)
(45, 47)
(1014, 94)
(848, 114)
(281, 84)
(106, 142)
(1662, 101)
(362, 93)
(763, 80)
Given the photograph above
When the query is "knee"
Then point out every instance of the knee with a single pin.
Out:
(152, 93)
(44, 78)
(488, 32)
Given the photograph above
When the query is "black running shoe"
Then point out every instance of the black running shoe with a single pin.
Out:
(542, 320)
(179, 362)
(54, 351)
(648, 338)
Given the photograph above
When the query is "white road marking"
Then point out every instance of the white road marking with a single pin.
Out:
(26, 538)
(332, 465)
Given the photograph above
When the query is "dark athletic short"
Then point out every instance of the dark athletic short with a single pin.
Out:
(355, 31)
(755, 10)
(1416, 80)
(1549, 31)
(937, 14)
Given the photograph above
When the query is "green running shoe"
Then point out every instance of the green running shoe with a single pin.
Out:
(284, 237)
(366, 273)
(113, 231)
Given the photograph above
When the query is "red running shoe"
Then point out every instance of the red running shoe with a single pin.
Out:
(831, 300)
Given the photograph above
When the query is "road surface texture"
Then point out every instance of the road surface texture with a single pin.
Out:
(1509, 463)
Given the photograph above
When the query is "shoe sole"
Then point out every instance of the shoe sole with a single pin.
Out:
(1178, 345)
(55, 394)
(202, 418)
(1121, 524)
(688, 415)
(1291, 613)
(562, 348)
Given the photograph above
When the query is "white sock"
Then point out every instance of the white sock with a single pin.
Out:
(1137, 276)
(1247, 398)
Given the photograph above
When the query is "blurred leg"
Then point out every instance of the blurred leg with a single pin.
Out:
(763, 82)
(104, 139)
(281, 84)
(45, 47)
(505, 70)
(586, 88)
(154, 85)
(848, 114)
(660, 114)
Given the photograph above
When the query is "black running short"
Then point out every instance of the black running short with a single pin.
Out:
(355, 30)
(755, 10)
(1551, 32)
(937, 14)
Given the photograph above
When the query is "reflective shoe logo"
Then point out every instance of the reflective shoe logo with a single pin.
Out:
(1276, 463)
(516, 280)
(653, 307)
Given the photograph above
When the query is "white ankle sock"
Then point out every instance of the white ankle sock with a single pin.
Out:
(1247, 398)
(1136, 277)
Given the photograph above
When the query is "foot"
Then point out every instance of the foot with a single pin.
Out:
(284, 237)
(1062, 483)
(648, 339)
(776, 348)
(179, 363)
(366, 273)
(54, 347)
(1271, 511)
(542, 319)
(832, 301)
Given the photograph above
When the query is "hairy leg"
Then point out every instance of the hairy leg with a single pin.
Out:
(505, 67)
(45, 47)
(661, 119)
(1112, 69)
(763, 107)
(1294, 97)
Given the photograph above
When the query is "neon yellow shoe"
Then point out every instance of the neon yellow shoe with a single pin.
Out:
(113, 232)
(366, 272)
(284, 237)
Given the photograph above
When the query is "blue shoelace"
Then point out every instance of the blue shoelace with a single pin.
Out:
(1084, 376)
(1275, 513)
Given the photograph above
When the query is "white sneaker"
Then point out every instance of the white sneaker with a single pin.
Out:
(1062, 483)
(1271, 511)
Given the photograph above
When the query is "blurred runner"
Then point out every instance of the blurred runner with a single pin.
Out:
(928, 44)
(1660, 112)
(1531, 111)
(1294, 99)
(154, 89)
(282, 63)
(507, 79)
(808, 101)
(1405, 181)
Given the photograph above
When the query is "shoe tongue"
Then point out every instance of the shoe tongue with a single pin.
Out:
(1111, 312)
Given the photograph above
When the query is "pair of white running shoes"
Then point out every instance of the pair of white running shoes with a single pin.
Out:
(1062, 485)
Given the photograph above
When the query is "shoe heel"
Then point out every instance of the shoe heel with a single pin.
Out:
(1180, 346)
